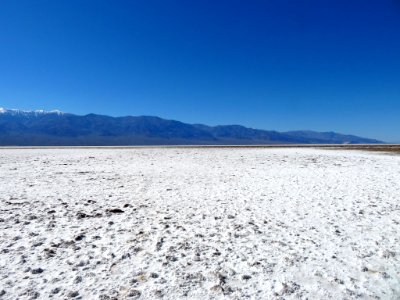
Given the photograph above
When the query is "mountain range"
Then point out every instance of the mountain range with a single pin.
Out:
(55, 128)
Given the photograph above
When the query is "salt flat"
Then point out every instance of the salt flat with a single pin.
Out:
(199, 224)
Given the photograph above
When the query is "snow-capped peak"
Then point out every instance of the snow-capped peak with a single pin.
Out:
(38, 112)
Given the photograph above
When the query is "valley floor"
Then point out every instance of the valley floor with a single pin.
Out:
(199, 223)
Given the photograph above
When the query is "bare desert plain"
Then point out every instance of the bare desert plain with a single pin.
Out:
(199, 223)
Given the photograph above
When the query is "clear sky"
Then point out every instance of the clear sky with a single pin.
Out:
(274, 64)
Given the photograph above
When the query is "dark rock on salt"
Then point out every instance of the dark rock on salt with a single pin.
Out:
(388, 254)
(134, 294)
(158, 293)
(350, 292)
(216, 253)
(171, 258)
(50, 252)
(81, 264)
(126, 255)
(78, 279)
(339, 281)
(81, 215)
(37, 244)
(115, 211)
(221, 278)
(37, 271)
(33, 294)
(73, 294)
(159, 244)
(80, 237)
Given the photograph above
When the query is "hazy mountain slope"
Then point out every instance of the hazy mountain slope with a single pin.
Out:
(26, 128)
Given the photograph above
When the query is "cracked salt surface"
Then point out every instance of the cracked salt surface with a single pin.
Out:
(199, 224)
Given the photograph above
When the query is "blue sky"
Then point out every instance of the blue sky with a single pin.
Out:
(277, 64)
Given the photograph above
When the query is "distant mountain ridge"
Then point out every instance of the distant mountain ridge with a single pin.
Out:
(55, 128)
(28, 112)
